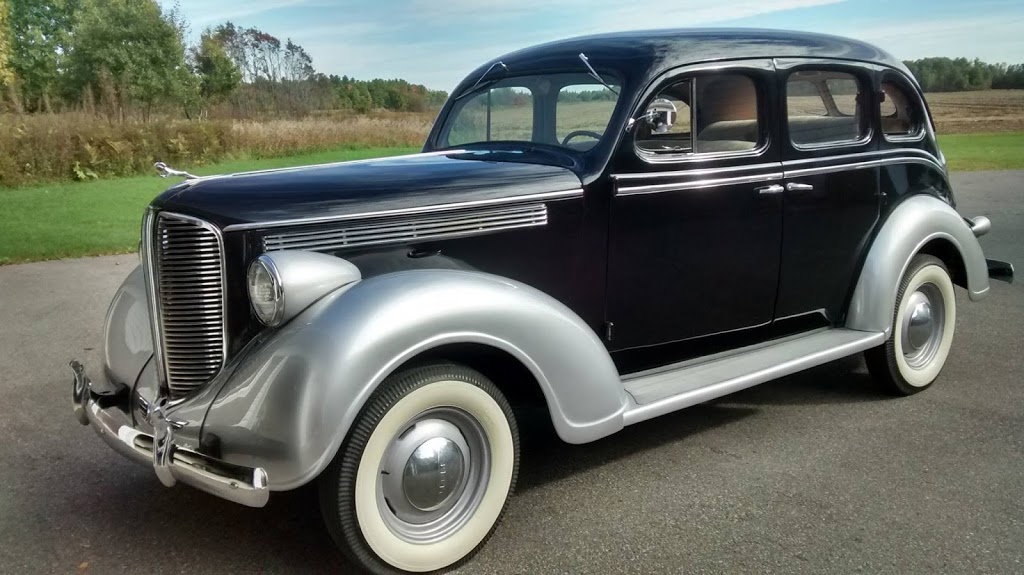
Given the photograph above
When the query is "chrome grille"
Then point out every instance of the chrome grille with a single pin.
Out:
(189, 278)
(409, 230)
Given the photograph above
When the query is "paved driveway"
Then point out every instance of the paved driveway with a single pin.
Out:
(813, 473)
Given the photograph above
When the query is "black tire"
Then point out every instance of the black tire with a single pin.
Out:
(340, 485)
(887, 363)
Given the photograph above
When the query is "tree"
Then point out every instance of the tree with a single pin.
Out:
(141, 48)
(218, 74)
(40, 35)
(6, 73)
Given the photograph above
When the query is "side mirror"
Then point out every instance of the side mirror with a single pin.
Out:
(659, 116)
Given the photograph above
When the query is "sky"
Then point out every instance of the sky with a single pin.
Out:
(437, 42)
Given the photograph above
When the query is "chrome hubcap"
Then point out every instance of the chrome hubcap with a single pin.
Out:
(922, 325)
(433, 475)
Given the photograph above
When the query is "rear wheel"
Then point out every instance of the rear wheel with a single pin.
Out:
(922, 329)
(426, 472)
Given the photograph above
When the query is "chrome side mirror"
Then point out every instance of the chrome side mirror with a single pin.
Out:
(660, 116)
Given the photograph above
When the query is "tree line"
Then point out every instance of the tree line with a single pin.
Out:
(961, 74)
(131, 58)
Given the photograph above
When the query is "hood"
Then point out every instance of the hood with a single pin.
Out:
(360, 186)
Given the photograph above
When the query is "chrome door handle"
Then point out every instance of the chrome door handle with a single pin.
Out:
(795, 187)
(772, 189)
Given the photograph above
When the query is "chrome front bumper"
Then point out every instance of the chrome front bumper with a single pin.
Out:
(172, 463)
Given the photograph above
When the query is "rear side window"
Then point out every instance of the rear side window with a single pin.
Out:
(898, 110)
(825, 107)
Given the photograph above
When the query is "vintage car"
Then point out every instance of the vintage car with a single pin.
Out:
(610, 228)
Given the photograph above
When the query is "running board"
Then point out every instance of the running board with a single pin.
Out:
(665, 390)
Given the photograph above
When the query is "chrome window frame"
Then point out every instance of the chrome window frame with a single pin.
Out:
(912, 94)
(823, 65)
(735, 67)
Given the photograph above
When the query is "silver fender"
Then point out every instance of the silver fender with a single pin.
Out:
(127, 338)
(289, 405)
(913, 224)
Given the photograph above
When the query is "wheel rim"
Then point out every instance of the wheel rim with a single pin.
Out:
(923, 325)
(433, 475)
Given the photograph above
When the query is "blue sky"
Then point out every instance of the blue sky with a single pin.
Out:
(437, 42)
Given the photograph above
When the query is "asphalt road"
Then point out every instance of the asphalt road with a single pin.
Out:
(815, 473)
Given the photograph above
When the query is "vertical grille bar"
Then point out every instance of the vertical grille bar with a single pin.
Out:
(188, 257)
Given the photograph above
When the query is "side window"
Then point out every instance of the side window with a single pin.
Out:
(898, 111)
(714, 114)
(583, 109)
(726, 115)
(825, 107)
(510, 117)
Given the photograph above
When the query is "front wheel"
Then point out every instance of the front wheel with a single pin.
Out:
(922, 329)
(426, 472)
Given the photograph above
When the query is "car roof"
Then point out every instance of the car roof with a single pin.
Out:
(654, 51)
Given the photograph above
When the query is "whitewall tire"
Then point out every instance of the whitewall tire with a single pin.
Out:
(426, 472)
(924, 320)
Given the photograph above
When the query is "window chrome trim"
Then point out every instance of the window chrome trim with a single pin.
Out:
(864, 139)
(697, 172)
(698, 184)
(434, 208)
(690, 72)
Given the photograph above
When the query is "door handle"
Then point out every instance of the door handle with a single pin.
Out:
(772, 189)
(795, 187)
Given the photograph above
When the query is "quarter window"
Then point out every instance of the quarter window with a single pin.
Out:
(714, 114)
(825, 107)
(899, 117)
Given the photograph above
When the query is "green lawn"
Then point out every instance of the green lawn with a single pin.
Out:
(67, 220)
(970, 152)
(77, 219)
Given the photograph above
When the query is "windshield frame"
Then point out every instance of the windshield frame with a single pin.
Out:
(548, 104)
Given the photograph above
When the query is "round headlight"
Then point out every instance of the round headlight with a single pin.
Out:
(265, 291)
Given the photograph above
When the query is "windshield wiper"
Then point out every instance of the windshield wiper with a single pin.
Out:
(481, 79)
(595, 75)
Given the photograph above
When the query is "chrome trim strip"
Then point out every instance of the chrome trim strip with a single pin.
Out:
(697, 172)
(435, 208)
(152, 299)
(862, 155)
(458, 224)
(348, 162)
(698, 184)
(859, 166)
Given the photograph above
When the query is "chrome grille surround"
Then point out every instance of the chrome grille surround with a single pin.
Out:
(392, 230)
(184, 261)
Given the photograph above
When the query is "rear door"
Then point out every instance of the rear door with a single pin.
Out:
(831, 203)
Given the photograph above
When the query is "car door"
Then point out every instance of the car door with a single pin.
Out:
(695, 228)
(831, 203)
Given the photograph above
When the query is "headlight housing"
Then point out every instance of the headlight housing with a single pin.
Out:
(266, 291)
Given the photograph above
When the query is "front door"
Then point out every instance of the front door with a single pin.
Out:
(696, 221)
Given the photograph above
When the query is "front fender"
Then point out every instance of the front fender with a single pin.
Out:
(914, 223)
(289, 405)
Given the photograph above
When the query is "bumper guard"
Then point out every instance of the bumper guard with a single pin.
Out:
(172, 463)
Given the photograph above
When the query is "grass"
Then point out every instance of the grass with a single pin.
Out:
(972, 152)
(67, 220)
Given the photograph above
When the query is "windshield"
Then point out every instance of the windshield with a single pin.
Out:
(568, 110)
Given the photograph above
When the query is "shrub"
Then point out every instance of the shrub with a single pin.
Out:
(76, 145)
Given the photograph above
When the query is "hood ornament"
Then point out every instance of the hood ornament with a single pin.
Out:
(164, 170)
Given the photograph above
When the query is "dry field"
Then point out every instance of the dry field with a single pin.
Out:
(978, 112)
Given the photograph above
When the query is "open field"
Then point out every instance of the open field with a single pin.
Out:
(72, 219)
(977, 112)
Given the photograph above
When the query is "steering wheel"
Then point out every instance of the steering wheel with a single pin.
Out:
(571, 135)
